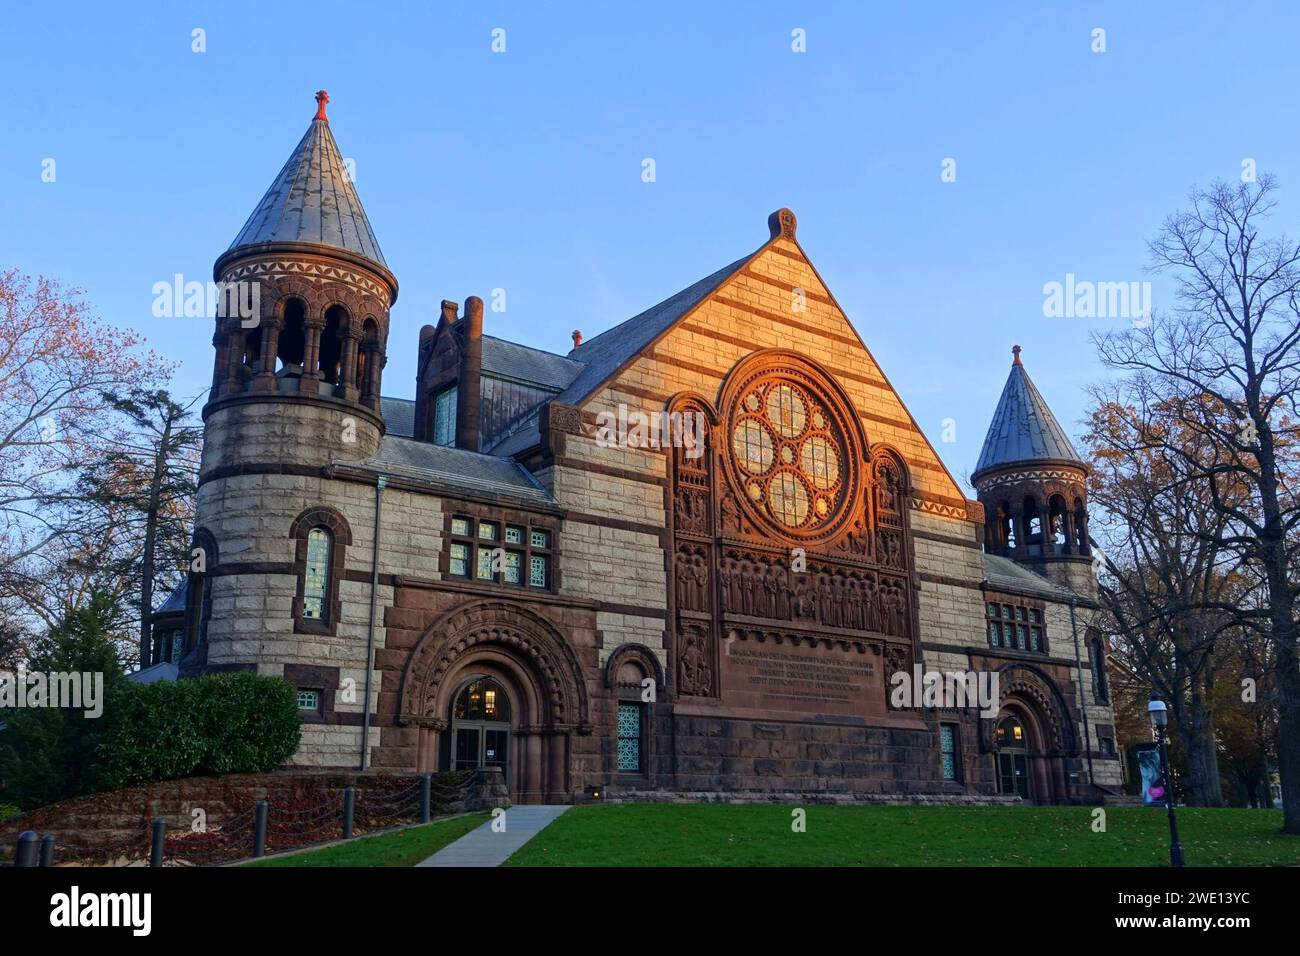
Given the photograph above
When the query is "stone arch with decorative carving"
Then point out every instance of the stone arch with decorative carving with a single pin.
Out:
(1034, 689)
(638, 654)
(509, 633)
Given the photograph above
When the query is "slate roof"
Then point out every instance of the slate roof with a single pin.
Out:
(1003, 574)
(312, 200)
(175, 603)
(604, 354)
(512, 360)
(399, 416)
(1023, 428)
(456, 468)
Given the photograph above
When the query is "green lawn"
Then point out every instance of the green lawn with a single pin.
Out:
(399, 848)
(760, 835)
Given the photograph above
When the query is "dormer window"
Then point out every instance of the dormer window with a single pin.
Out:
(444, 417)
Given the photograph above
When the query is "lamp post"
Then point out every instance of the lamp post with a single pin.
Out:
(1159, 714)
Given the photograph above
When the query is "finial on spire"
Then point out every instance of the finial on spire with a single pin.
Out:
(322, 98)
(577, 337)
(1015, 351)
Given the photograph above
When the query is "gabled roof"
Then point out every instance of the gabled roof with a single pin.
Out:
(609, 351)
(1023, 429)
(312, 200)
(600, 357)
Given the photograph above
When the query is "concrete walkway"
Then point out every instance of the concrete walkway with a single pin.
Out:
(483, 847)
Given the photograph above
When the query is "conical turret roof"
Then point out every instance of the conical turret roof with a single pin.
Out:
(1023, 429)
(312, 200)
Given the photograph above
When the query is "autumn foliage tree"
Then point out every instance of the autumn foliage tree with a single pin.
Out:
(58, 365)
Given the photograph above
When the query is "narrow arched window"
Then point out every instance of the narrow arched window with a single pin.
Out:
(316, 579)
(1097, 653)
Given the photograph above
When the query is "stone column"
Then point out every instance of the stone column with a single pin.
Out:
(557, 766)
(234, 357)
(265, 380)
(532, 786)
(348, 379)
(311, 374)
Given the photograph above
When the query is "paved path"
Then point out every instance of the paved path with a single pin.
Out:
(483, 847)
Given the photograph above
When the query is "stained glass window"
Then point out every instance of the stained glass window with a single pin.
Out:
(444, 417)
(788, 499)
(514, 535)
(540, 539)
(948, 750)
(315, 585)
(1007, 630)
(785, 410)
(460, 526)
(459, 564)
(514, 567)
(791, 454)
(484, 567)
(820, 462)
(487, 530)
(537, 571)
(629, 737)
(752, 446)
(308, 699)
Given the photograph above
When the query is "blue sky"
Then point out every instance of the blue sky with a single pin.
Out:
(522, 170)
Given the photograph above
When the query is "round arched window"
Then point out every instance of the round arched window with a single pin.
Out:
(791, 457)
(482, 699)
(1010, 733)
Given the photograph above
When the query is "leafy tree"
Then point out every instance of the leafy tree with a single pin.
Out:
(48, 753)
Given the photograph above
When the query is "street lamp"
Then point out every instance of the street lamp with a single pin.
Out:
(1160, 720)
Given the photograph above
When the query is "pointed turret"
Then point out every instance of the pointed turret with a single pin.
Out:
(1031, 482)
(314, 295)
(313, 204)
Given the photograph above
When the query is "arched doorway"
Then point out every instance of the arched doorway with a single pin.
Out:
(538, 698)
(480, 726)
(1013, 758)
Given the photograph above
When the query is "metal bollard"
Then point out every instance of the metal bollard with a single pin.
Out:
(156, 843)
(259, 829)
(426, 795)
(349, 809)
(27, 852)
(47, 850)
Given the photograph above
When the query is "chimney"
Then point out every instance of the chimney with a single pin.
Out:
(577, 337)
(449, 311)
(469, 390)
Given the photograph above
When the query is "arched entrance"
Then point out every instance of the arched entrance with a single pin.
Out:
(538, 698)
(1013, 758)
(480, 726)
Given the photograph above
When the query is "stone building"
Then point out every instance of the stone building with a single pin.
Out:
(689, 556)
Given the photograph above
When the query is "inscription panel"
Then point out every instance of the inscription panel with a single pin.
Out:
(802, 675)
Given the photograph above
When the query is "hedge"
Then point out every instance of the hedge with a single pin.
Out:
(216, 724)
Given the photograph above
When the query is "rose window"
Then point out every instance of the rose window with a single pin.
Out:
(789, 454)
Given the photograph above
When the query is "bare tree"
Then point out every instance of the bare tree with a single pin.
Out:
(1224, 362)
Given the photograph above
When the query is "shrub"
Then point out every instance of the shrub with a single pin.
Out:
(217, 724)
